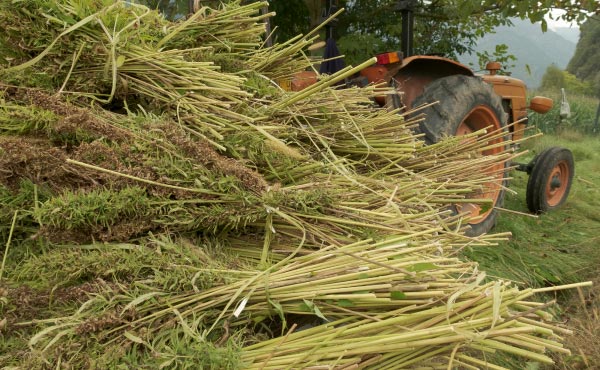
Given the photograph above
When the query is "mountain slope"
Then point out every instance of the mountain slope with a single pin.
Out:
(568, 33)
(534, 50)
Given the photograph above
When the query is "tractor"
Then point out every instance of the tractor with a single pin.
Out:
(468, 102)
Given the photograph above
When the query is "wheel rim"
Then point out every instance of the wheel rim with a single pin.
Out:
(480, 118)
(556, 186)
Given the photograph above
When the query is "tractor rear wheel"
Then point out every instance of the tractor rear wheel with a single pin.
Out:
(550, 180)
(467, 104)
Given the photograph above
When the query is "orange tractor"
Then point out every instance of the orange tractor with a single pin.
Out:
(466, 103)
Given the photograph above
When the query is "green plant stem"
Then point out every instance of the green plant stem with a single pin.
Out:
(10, 234)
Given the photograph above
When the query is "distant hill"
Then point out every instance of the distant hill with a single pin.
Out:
(531, 47)
(569, 34)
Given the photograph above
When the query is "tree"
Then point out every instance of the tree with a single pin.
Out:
(553, 79)
(445, 27)
(438, 27)
(448, 27)
(293, 18)
(586, 60)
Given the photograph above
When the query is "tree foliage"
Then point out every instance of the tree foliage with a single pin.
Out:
(442, 27)
(292, 18)
(378, 21)
(586, 61)
(500, 55)
(555, 78)
(367, 27)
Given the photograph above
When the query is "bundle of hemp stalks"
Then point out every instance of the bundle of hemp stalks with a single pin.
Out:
(165, 204)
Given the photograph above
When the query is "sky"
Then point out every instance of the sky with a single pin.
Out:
(554, 24)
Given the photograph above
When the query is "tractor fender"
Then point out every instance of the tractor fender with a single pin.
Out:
(417, 72)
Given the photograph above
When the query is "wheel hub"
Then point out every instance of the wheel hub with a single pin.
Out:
(556, 185)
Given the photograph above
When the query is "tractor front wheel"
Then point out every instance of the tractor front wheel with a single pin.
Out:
(467, 104)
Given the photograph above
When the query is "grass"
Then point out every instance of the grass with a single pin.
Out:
(558, 247)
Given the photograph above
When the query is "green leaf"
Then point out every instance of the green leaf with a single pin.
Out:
(397, 295)
(279, 309)
(418, 267)
(319, 313)
(259, 318)
(496, 302)
(120, 61)
(304, 307)
(548, 276)
(314, 309)
(345, 303)
(166, 363)
(133, 338)
(140, 299)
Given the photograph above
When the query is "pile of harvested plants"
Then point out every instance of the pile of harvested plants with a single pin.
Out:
(164, 204)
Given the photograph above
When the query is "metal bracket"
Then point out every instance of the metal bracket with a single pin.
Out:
(526, 167)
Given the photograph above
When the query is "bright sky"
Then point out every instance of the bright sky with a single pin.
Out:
(553, 24)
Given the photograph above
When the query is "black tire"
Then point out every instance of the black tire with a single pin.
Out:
(460, 97)
(550, 180)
